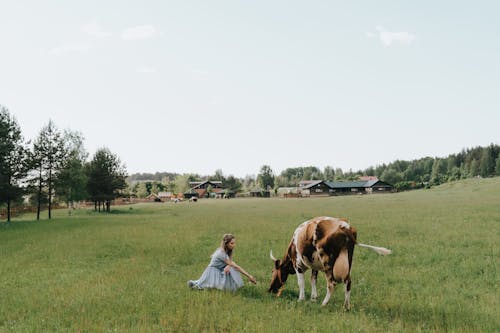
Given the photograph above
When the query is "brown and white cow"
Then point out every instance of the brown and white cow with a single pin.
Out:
(321, 244)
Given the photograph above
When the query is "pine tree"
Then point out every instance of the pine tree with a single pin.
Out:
(12, 160)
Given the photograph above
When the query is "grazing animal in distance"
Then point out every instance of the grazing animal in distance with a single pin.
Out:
(322, 244)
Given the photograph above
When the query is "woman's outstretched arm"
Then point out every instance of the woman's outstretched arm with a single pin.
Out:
(231, 263)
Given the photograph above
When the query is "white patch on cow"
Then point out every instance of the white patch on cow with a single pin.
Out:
(344, 225)
(300, 280)
(314, 292)
(300, 261)
(329, 291)
(347, 301)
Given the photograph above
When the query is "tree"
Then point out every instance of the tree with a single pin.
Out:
(266, 177)
(474, 168)
(391, 175)
(12, 160)
(233, 183)
(47, 157)
(106, 178)
(438, 171)
(339, 174)
(497, 166)
(141, 190)
(36, 177)
(209, 191)
(218, 176)
(329, 173)
(249, 183)
(71, 180)
(487, 163)
(181, 183)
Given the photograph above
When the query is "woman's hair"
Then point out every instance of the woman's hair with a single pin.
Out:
(225, 241)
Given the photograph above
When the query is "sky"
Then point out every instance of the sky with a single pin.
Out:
(199, 86)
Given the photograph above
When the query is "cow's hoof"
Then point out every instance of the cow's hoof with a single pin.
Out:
(314, 299)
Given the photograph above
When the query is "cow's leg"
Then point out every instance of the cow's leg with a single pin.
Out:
(347, 301)
(300, 280)
(330, 286)
(314, 278)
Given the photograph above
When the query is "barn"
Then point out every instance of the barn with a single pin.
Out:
(359, 187)
(314, 188)
(202, 187)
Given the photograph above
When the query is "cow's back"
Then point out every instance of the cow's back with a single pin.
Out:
(320, 233)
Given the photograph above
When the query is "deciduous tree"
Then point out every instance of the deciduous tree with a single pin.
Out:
(106, 178)
(266, 177)
(71, 180)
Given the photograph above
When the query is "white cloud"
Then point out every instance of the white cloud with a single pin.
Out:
(69, 48)
(93, 29)
(146, 69)
(139, 32)
(388, 38)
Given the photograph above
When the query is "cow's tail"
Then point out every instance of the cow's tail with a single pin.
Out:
(352, 234)
(380, 250)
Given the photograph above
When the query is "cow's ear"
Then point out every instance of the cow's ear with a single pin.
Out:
(277, 264)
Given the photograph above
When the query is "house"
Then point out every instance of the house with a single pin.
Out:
(367, 185)
(202, 188)
(288, 192)
(165, 196)
(360, 186)
(153, 197)
(314, 188)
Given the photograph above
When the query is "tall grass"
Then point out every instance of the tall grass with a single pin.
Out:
(127, 271)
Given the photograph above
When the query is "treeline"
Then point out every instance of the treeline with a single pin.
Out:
(53, 168)
(403, 175)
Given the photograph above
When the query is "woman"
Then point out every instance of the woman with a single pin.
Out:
(222, 272)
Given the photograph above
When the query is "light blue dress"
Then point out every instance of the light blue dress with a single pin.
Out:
(214, 276)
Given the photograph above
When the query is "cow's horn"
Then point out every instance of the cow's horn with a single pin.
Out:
(271, 255)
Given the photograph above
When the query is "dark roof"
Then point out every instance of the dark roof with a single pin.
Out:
(370, 183)
(358, 183)
(195, 185)
(346, 184)
(310, 184)
(307, 182)
(206, 181)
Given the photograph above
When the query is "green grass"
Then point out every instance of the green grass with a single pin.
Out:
(127, 271)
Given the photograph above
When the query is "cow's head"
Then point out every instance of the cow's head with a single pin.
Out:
(279, 276)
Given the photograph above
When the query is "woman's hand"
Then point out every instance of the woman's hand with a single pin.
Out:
(252, 279)
(226, 269)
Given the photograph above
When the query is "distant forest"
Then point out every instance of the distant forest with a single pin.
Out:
(403, 175)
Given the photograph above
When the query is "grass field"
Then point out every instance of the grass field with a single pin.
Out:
(127, 271)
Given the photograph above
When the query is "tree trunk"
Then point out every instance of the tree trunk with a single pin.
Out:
(8, 210)
(39, 195)
(95, 205)
(50, 192)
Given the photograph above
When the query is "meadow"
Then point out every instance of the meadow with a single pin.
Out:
(126, 271)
